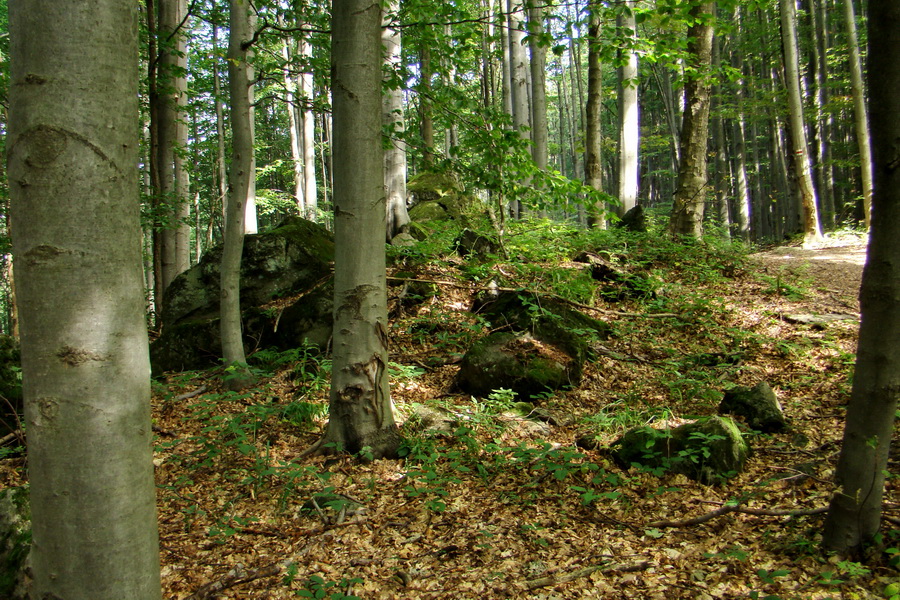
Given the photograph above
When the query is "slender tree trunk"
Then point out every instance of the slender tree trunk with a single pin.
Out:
(859, 110)
(521, 112)
(629, 114)
(690, 189)
(240, 178)
(721, 164)
(72, 156)
(824, 177)
(854, 516)
(360, 416)
(307, 125)
(593, 133)
(744, 202)
(221, 167)
(294, 133)
(506, 60)
(539, 128)
(395, 148)
(172, 98)
(426, 118)
(812, 232)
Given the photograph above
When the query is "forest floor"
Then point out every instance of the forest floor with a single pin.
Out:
(506, 507)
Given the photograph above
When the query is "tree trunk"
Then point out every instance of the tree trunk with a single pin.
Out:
(73, 156)
(539, 129)
(308, 136)
(629, 113)
(593, 134)
(294, 127)
(518, 83)
(744, 201)
(221, 167)
(172, 138)
(360, 416)
(690, 188)
(426, 118)
(240, 177)
(812, 231)
(855, 512)
(859, 110)
(395, 149)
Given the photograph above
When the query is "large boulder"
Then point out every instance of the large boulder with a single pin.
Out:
(547, 318)
(709, 450)
(518, 362)
(286, 289)
(435, 198)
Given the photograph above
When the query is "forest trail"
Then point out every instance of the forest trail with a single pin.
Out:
(833, 271)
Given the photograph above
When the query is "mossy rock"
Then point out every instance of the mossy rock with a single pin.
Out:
(758, 405)
(293, 260)
(550, 319)
(709, 450)
(15, 542)
(518, 362)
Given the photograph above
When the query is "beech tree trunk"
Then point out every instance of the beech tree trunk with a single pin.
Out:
(240, 184)
(812, 231)
(593, 167)
(539, 129)
(861, 121)
(395, 151)
(854, 516)
(73, 156)
(521, 112)
(629, 114)
(175, 252)
(360, 415)
(690, 188)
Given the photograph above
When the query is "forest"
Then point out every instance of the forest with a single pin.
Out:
(472, 299)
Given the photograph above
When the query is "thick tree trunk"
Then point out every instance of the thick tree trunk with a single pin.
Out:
(861, 121)
(392, 106)
(690, 189)
(855, 512)
(240, 183)
(360, 416)
(72, 151)
(593, 135)
(539, 129)
(629, 114)
(812, 231)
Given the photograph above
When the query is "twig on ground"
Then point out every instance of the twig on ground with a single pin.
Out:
(533, 584)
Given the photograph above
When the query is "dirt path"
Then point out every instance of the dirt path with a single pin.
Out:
(833, 272)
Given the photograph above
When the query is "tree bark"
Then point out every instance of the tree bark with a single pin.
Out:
(690, 188)
(629, 113)
(861, 121)
(240, 177)
(73, 156)
(812, 231)
(539, 128)
(521, 112)
(175, 254)
(360, 416)
(395, 150)
(593, 134)
(855, 512)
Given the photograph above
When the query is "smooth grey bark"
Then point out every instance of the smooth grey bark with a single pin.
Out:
(690, 188)
(294, 133)
(538, 64)
(73, 156)
(743, 201)
(360, 414)
(426, 113)
(824, 120)
(629, 113)
(241, 174)
(175, 253)
(861, 120)
(395, 147)
(854, 515)
(812, 231)
(593, 167)
(521, 112)
(221, 167)
(308, 136)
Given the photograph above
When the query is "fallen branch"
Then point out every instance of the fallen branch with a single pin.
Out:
(728, 508)
(540, 582)
(17, 434)
(187, 395)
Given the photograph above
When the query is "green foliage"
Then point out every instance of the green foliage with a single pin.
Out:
(318, 587)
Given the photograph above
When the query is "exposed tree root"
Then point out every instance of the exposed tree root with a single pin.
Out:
(533, 584)
(729, 508)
